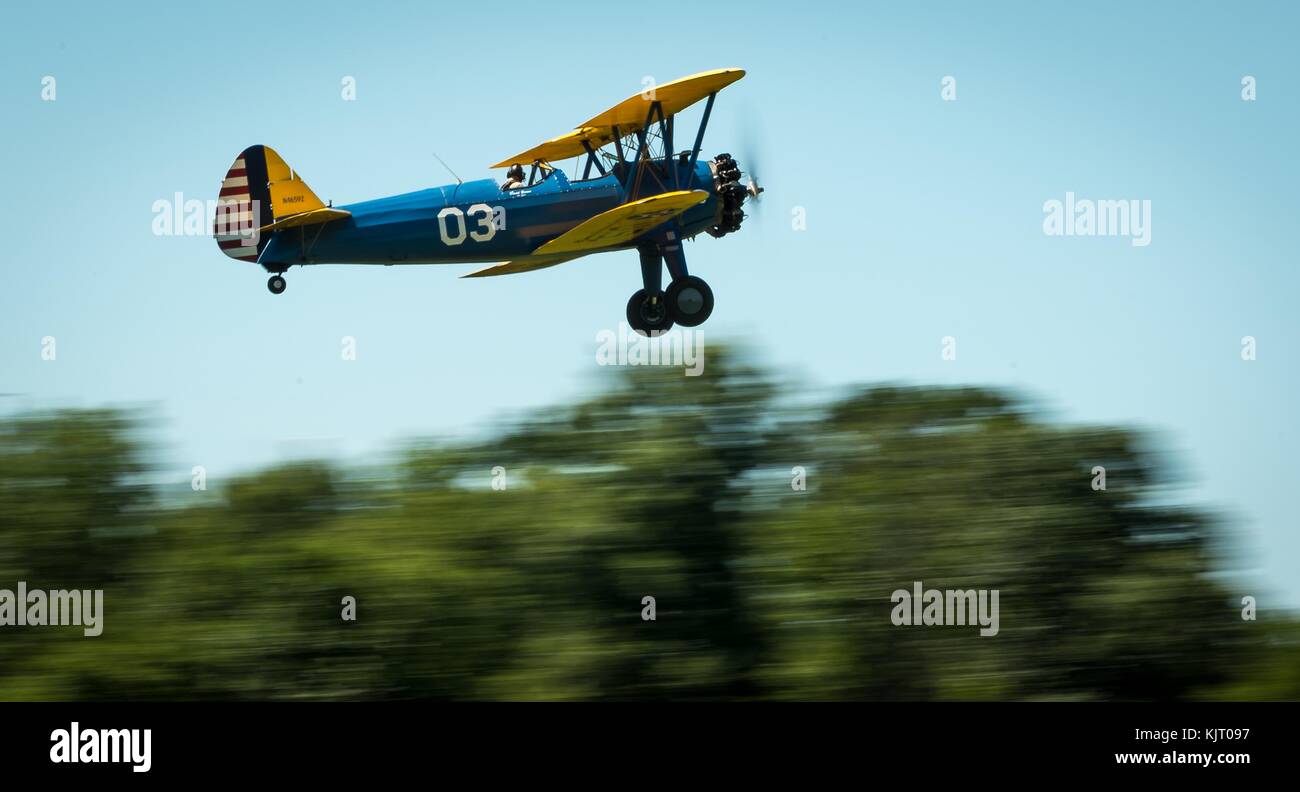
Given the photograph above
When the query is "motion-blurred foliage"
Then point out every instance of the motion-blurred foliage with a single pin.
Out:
(663, 485)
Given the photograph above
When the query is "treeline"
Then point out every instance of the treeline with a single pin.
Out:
(770, 537)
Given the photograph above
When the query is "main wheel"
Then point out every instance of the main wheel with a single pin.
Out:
(690, 301)
(277, 284)
(648, 313)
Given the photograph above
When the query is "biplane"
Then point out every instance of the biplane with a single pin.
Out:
(636, 191)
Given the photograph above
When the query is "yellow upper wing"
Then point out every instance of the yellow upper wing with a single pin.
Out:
(628, 115)
(623, 223)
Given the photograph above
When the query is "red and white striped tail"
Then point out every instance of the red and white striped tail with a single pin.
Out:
(240, 204)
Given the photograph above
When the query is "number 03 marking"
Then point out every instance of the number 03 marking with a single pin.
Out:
(484, 217)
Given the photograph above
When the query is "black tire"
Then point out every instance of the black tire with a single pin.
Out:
(690, 301)
(277, 284)
(647, 318)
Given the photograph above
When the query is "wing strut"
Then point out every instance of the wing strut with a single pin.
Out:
(699, 136)
(592, 159)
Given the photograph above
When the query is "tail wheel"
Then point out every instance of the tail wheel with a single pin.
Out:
(690, 301)
(277, 284)
(648, 313)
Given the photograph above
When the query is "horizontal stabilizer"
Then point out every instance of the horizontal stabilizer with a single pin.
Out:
(527, 264)
(623, 224)
(313, 217)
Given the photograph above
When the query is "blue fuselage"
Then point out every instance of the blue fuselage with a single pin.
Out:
(478, 222)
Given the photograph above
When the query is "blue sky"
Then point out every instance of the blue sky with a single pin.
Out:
(924, 217)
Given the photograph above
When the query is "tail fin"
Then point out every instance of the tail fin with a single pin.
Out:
(259, 189)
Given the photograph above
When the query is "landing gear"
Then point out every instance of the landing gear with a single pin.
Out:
(690, 301)
(648, 314)
(277, 284)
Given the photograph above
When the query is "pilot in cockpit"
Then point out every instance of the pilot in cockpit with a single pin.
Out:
(514, 178)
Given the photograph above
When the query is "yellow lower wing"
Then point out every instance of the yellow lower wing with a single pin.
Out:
(622, 224)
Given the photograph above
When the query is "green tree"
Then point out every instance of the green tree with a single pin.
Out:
(660, 485)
